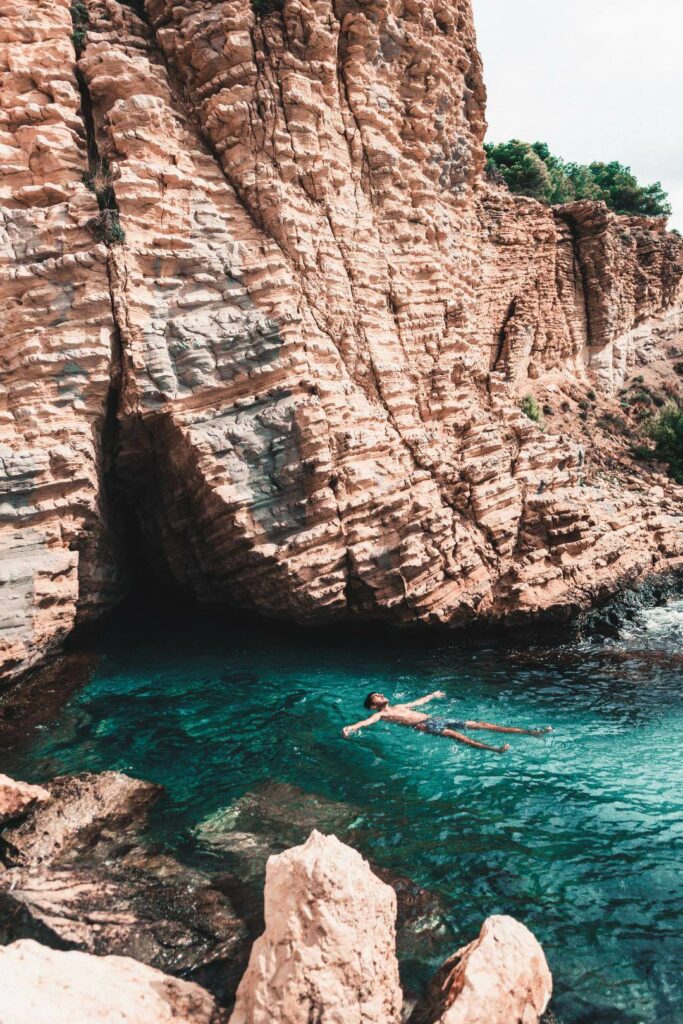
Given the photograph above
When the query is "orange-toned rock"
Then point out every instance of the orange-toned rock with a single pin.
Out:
(46, 986)
(17, 798)
(57, 334)
(500, 978)
(325, 318)
(328, 951)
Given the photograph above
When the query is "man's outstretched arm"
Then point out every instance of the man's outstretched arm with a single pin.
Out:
(348, 729)
(425, 700)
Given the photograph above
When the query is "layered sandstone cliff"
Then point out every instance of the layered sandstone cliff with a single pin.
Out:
(300, 371)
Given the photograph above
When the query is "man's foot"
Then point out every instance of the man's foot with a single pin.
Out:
(503, 750)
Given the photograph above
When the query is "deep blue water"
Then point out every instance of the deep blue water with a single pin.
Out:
(578, 835)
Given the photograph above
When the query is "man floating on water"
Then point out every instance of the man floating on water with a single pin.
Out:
(403, 714)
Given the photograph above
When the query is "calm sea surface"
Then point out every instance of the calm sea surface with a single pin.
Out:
(579, 835)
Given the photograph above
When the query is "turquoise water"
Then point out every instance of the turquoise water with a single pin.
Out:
(578, 835)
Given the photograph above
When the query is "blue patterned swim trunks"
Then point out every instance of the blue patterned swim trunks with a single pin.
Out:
(436, 726)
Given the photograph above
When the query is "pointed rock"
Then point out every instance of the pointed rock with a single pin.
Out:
(328, 951)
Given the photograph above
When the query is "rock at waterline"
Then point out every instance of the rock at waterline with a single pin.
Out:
(328, 950)
(46, 986)
(79, 877)
(80, 810)
(500, 978)
(144, 905)
(18, 798)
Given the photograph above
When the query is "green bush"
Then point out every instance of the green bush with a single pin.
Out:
(116, 233)
(79, 14)
(666, 430)
(530, 169)
(79, 20)
(78, 39)
(531, 408)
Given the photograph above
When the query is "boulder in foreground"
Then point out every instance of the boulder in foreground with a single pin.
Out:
(18, 798)
(500, 978)
(328, 951)
(45, 986)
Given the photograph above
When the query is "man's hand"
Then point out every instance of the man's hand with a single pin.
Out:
(439, 693)
(346, 731)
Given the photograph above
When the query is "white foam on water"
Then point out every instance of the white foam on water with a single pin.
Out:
(662, 625)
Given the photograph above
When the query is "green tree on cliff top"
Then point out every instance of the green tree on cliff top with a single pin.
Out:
(530, 169)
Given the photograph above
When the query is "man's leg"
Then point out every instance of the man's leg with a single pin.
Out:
(506, 728)
(451, 734)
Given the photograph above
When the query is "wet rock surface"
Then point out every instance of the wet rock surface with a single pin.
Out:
(82, 811)
(36, 699)
(77, 876)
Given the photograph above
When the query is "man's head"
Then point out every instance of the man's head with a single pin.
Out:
(376, 702)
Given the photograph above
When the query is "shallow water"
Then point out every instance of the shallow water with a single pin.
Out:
(578, 835)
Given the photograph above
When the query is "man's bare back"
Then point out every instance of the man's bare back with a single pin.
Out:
(404, 714)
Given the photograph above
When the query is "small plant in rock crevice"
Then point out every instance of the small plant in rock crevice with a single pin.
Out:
(99, 180)
(79, 19)
(107, 228)
(532, 409)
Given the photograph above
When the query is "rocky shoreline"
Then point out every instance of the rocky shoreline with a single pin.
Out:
(82, 898)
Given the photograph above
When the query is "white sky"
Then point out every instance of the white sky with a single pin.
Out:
(595, 79)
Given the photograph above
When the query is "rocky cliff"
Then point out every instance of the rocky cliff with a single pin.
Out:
(257, 292)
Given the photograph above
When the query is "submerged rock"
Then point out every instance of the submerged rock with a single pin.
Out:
(277, 815)
(268, 820)
(44, 986)
(500, 978)
(328, 950)
(81, 810)
(17, 798)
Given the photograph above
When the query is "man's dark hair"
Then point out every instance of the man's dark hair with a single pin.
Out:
(369, 701)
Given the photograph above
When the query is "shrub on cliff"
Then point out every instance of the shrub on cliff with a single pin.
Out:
(532, 409)
(666, 430)
(79, 21)
(530, 169)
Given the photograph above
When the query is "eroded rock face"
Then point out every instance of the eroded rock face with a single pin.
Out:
(45, 986)
(324, 319)
(320, 956)
(57, 333)
(17, 798)
(500, 978)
